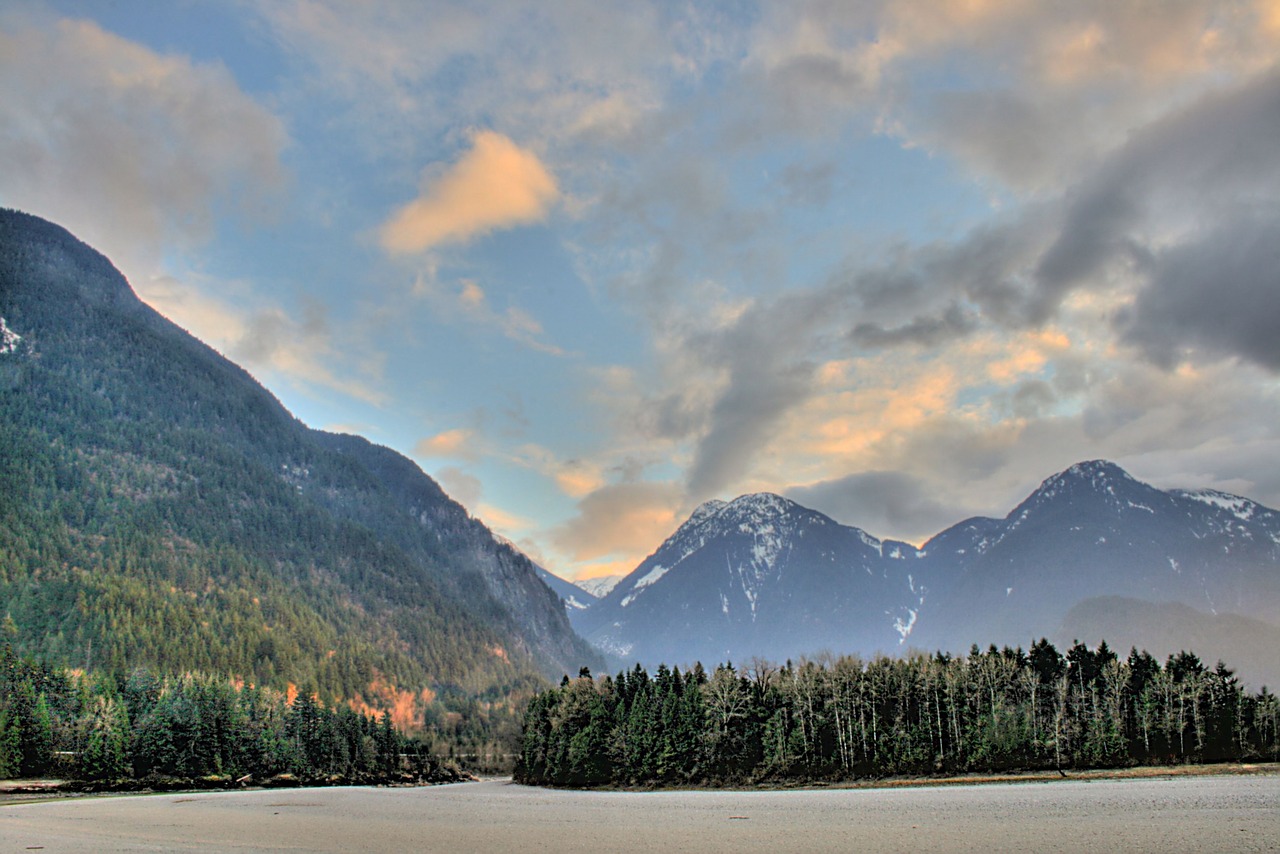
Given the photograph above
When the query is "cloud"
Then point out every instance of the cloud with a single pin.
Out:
(1008, 388)
(879, 501)
(546, 71)
(1217, 294)
(577, 478)
(1131, 160)
(141, 154)
(624, 521)
(734, 379)
(515, 323)
(495, 185)
(1026, 94)
(462, 487)
(502, 521)
(954, 322)
(574, 477)
(459, 442)
(1155, 197)
(1160, 196)
(299, 346)
(134, 151)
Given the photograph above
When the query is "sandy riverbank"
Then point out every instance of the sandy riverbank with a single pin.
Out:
(1202, 813)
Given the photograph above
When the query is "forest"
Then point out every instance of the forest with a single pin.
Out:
(134, 729)
(843, 718)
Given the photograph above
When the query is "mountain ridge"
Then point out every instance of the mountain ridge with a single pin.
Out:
(1091, 533)
(149, 487)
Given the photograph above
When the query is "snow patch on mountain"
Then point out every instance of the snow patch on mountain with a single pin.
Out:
(613, 646)
(9, 340)
(1242, 508)
(647, 579)
(904, 627)
(651, 576)
(601, 586)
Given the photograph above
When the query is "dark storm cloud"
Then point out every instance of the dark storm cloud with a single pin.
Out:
(1209, 162)
(953, 323)
(931, 295)
(1219, 295)
(1151, 211)
(878, 502)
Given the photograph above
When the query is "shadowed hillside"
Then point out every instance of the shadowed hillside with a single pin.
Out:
(160, 508)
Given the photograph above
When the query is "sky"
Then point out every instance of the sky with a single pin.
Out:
(592, 263)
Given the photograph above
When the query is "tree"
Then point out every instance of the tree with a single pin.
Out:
(105, 754)
(35, 729)
(10, 745)
(725, 699)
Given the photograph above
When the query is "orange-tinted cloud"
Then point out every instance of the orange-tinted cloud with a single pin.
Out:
(622, 521)
(502, 521)
(495, 185)
(450, 443)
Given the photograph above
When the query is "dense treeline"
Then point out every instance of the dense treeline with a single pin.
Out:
(138, 727)
(844, 718)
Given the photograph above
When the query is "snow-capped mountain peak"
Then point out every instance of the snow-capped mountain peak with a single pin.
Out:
(1100, 476)
(735, 568)
(706, 510)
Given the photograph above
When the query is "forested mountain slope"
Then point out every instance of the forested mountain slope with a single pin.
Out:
(160, 508)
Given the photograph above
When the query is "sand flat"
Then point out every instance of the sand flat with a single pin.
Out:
(1236, 813)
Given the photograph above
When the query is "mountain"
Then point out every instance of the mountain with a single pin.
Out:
(761, 576)
(600, 586)
(1092, 553)
(574, 597)
(160, 508)
(1091, 531)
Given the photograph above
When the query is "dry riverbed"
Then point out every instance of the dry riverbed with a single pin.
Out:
(1237, 812)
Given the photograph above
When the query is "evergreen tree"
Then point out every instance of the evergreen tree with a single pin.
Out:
(35, 730)
(842, 717)
(105, 754)
(10, 745)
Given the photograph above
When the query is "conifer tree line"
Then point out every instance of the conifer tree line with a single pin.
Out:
(845, 718)
(142, 728)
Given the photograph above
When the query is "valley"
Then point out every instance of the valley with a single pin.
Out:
(164, 515)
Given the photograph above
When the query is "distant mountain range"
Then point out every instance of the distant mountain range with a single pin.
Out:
(159, 508)
(1093, 553)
